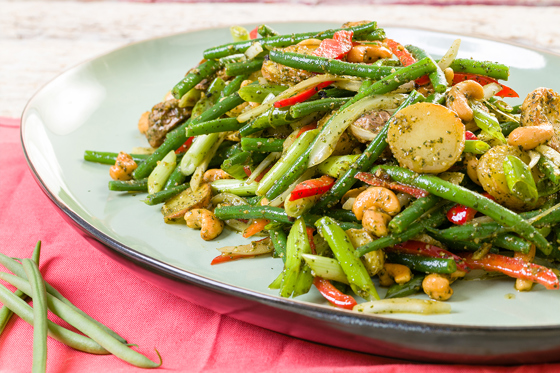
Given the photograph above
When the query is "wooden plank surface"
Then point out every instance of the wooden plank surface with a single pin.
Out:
(41, 39)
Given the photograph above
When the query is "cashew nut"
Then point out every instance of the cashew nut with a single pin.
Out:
(123, 167)
(376, 197)
(393, 272)
(530, 137)
(376, 221)
(437, 286)
(215, 174)
(458, 96)
(210, 226)
(525, 285)
(368, 53)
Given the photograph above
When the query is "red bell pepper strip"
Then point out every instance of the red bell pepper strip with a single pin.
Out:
(470, 136)
(254, 33)
(247, 170)
(308, 127)
(333, 295)
(400, 52)
(183, 148)
(302, 96)
(337, 47)
(257, 225)
(460, 214)
(371, 179)
(483, 80)
(310, 231)
(312, 187)
(224, 258)
(424, 249)
(516, 268)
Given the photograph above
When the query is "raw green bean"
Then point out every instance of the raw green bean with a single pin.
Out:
(492, 69)
(363, 163)
(86, 326)
(129, 185)
(404, 290)
(279, 240)
(263, 145)
(458, 194)
(175, 179)
(164, 195)
(423, 263)
(40, 325)
(318, 106)
(245, 67)
(194, 77)
(110, 157)
(214, 126)
(282, 40)
(323, 65)
(17, 269)
(5, 312)
(177, 137)
(340, 244)
(69, 338)
(437, 78)
(266, 31)
(416, 209)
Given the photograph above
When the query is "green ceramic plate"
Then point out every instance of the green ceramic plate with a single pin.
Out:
(96, 106)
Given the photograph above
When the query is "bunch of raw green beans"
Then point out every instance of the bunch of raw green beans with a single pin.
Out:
(96, 338)
(254, 148)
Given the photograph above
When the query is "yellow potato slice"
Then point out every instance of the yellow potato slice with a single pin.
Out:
(426, 138)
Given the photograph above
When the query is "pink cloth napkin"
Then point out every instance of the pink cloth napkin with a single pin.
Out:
(190, 338)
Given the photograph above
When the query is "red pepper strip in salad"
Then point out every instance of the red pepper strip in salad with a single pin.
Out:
(224, 258)
(312, 187)
(516, 268)
(257, 225)
(333, 295)
(483, 80)
(254, 33)
(470, 136)
(183, 148)
(302, 96)
(460, 214)
(310, 231)
(400, 52)
(308, 127)
(371, 179)
(424, 249)
(337, 47)
(247, 170)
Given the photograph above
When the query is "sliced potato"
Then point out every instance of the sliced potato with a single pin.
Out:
(175, 208)
(426, 138)
(490, 172)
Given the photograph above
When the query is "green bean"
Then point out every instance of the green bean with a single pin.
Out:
(164, 195)
(234, 186)
(214, 126)
(423, 263)
(511, 242)
(245, 67)
(342, 215)
(436, 98)
(340, 244)
(86, 326)
(278, 238)
(416, 209)
(110, 157)
(430, 220)
(376, 35)
(363, 163)
(17, 269)
(5, 312)
(69, 338)
(508, 127)
(437, 78)
(233, 85)
(235, 166)
(404, 290)
(549, 169)
(318, 106)
(194, 77)
(40, 326)
(177, 137)
(458, 194)
(256, 125)
(324, 65)
(175, 179)
(257, 93)
(282, 40)
(382, 86)
(487, 68)
(263, 145)
(266, 31)
(129, 185)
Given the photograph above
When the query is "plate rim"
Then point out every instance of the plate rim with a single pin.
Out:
(317, 311)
